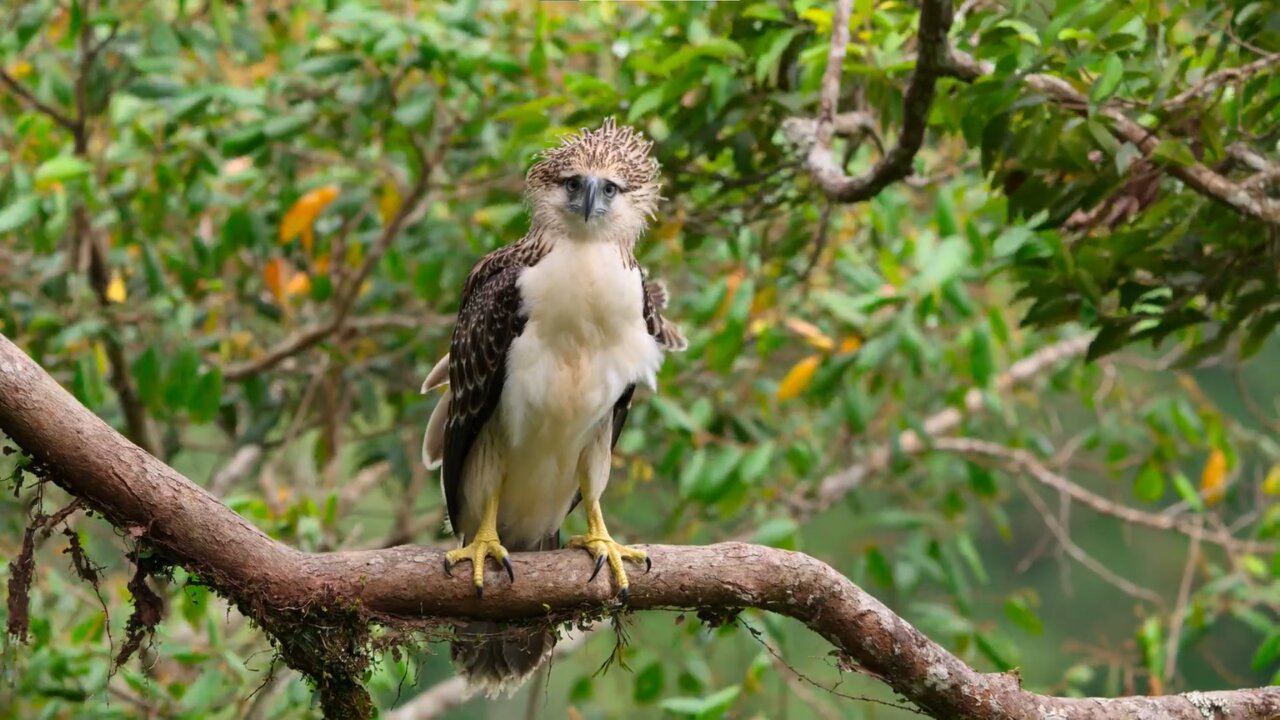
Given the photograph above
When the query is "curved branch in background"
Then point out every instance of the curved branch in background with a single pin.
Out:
(931, 64)
(1246, 197)
(288, 591)
(1026, 462)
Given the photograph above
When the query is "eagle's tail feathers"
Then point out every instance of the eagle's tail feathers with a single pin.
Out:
(497, 660)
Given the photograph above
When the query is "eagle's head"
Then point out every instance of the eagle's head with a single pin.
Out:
(598, 183)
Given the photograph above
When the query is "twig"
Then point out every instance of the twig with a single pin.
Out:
(931, 64)
(1063, 536)
(24, 94)
(835, 486)
(1211, 82)
(1179, 618)
(1024, 461)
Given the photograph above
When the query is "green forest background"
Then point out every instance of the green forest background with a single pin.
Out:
(238, 232)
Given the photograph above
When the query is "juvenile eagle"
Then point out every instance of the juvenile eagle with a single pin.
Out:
(554, 332)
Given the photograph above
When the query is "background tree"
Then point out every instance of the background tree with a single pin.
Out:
(892, 234)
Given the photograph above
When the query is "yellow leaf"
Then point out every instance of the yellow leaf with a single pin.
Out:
(850, 344)
(100, 356)
(20, 70)
(798, 378)
(1213, 477)
(304, 212)
(1271, 483)
(388, 202)
(811, 333)
(116, 292)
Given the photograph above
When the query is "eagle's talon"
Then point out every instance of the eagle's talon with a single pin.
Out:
(599, 564)
(648, 565)
(624, 596)
(485, 545)
(605, 550)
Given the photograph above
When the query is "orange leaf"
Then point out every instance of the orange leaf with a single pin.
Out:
(1213, 477)
(274, 275)
(850, 344)
(798, 378)
(299, 284)
(731, 289)
(304, 212)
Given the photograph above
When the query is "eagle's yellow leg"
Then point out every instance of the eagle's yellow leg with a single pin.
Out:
(604, 549)
(484, 544)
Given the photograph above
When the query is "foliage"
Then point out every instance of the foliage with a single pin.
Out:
(239, 232)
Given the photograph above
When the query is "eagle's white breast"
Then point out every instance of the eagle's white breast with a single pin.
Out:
(585, 341)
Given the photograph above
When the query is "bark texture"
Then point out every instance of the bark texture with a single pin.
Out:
(282, 588)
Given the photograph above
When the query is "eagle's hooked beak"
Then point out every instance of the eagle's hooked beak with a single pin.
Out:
(590, 193)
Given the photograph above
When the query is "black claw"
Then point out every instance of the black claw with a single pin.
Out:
(479, 592)
(648, 565)
(624, 595)
(511, 572)
(599, 564)
(448, 567)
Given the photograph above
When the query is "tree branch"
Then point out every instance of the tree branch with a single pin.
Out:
(931, 63)
(1245, 197)
(36, 104)
(187, 525)
(1027, 463)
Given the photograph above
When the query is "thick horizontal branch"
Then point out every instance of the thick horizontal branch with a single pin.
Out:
(186, 524)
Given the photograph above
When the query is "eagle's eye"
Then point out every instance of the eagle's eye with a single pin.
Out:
(573, 184)
(610, 189)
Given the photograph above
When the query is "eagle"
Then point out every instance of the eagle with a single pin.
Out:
(554, 332)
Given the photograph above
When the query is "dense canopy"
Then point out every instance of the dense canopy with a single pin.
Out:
(980, 299)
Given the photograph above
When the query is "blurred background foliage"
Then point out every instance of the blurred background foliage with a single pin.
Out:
(237, 231)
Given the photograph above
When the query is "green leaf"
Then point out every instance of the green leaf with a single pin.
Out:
(981, 361)
(1018, 611)
(648, 683)
(61, 169)
(207, 397)
(19, 213)
(777, 532)
(1175, 152)
(243, 141)
(326, 65)
(1187, 492)
(1109, 81)
(945, 262)
(647, 102)
(154, 88)
(1267, 653)
(146, 374)
(1149, 485)
(711, 706)
(878, 566)
(999, 651)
